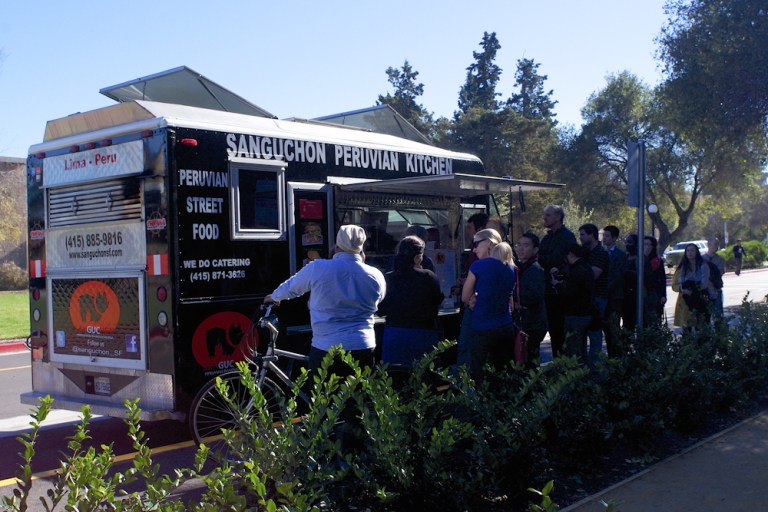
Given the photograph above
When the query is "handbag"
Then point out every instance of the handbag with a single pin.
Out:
(521, 347)
(521, 338)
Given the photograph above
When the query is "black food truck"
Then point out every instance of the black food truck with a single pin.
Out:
(157, 226)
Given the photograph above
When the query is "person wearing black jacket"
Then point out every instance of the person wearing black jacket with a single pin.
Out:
(410, 306)
(616, 269)
(655, 283)
(629, 307)
(533, 312)
(552, 250)
(738, 255)
(577, 289)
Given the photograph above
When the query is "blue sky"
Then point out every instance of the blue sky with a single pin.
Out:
(308, 59)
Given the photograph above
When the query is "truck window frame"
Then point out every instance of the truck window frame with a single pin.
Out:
(238, 231)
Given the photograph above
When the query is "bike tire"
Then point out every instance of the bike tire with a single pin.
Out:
(210, 413)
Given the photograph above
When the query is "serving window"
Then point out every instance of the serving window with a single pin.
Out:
(257, 192)
(387, 218)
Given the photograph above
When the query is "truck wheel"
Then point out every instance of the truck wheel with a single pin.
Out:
(210, 413)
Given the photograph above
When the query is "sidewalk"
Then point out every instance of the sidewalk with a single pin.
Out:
(728, 471)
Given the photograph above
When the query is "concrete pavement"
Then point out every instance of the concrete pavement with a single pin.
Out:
(728, 471)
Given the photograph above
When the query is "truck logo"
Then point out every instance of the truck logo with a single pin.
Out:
(223, 338)
(156, 221)
(94, 308)
(219, 338)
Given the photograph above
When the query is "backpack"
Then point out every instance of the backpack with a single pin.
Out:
(715, 277)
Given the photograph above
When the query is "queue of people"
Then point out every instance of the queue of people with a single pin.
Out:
(579, 293)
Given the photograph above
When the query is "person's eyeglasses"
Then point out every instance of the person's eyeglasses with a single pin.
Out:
(478, 242)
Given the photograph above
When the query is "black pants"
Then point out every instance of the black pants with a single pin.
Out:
(496, 347)
(364, 357)
(535, 337)
(555, 320)
(629, 311)
(611, 326)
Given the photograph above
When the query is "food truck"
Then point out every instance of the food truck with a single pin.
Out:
(157, 225)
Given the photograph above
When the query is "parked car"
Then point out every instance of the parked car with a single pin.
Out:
(673, 256)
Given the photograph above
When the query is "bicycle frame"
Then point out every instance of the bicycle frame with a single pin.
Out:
(267, 362)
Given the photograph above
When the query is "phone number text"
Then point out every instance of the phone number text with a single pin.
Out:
(106, 239)
(216, 275)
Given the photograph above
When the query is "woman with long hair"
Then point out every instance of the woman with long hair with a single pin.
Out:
(655, 283)
(691, 280)
(410, 306)
(490, 283)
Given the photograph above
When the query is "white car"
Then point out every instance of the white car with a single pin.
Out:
(673, 256)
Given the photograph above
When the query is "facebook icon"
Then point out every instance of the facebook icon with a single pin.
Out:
(131, 343)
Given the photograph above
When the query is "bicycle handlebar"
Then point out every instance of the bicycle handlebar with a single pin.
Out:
(265, 313)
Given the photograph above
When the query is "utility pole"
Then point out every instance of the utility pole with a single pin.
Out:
(636, 198)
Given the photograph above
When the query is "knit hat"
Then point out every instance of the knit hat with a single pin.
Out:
(350, 238)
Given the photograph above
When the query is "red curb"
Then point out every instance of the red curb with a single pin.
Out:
(12, 346)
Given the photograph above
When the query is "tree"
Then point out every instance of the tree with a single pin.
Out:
(597, 154)
(406, 91)
(682, 165)
(479, 90)
(716, 63)
(13, 206)
(715, 97)
(532, 102)
(515, 138)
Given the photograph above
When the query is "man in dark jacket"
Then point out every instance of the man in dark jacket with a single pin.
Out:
(616, 268)
(533, 312)
(552, 251)
(598, 259)
(738, 255)
(577, 288)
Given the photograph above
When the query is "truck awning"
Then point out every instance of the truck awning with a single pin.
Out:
(451, 185)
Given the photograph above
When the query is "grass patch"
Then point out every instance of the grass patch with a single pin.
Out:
(14, 315)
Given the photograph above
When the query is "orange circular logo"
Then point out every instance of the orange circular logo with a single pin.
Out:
(94, 304)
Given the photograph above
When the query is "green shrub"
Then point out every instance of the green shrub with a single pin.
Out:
(636, 397)
(756, 255)
(12, 277)
(435, 440)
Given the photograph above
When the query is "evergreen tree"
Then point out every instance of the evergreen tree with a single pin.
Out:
(532, 102)
(406, 92)
(483, 75)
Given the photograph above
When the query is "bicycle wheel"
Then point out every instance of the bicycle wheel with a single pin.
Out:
(210, 413)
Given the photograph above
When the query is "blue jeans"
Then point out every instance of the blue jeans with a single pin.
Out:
(402, 345)
(576, 336)
(596, 336)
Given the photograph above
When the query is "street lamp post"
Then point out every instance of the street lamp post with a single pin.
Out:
(652, 209)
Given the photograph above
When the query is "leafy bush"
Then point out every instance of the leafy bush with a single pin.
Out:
(435, 440)
(12, 277)
(756, 255)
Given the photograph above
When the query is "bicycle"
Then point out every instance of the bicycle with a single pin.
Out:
(210, 413)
